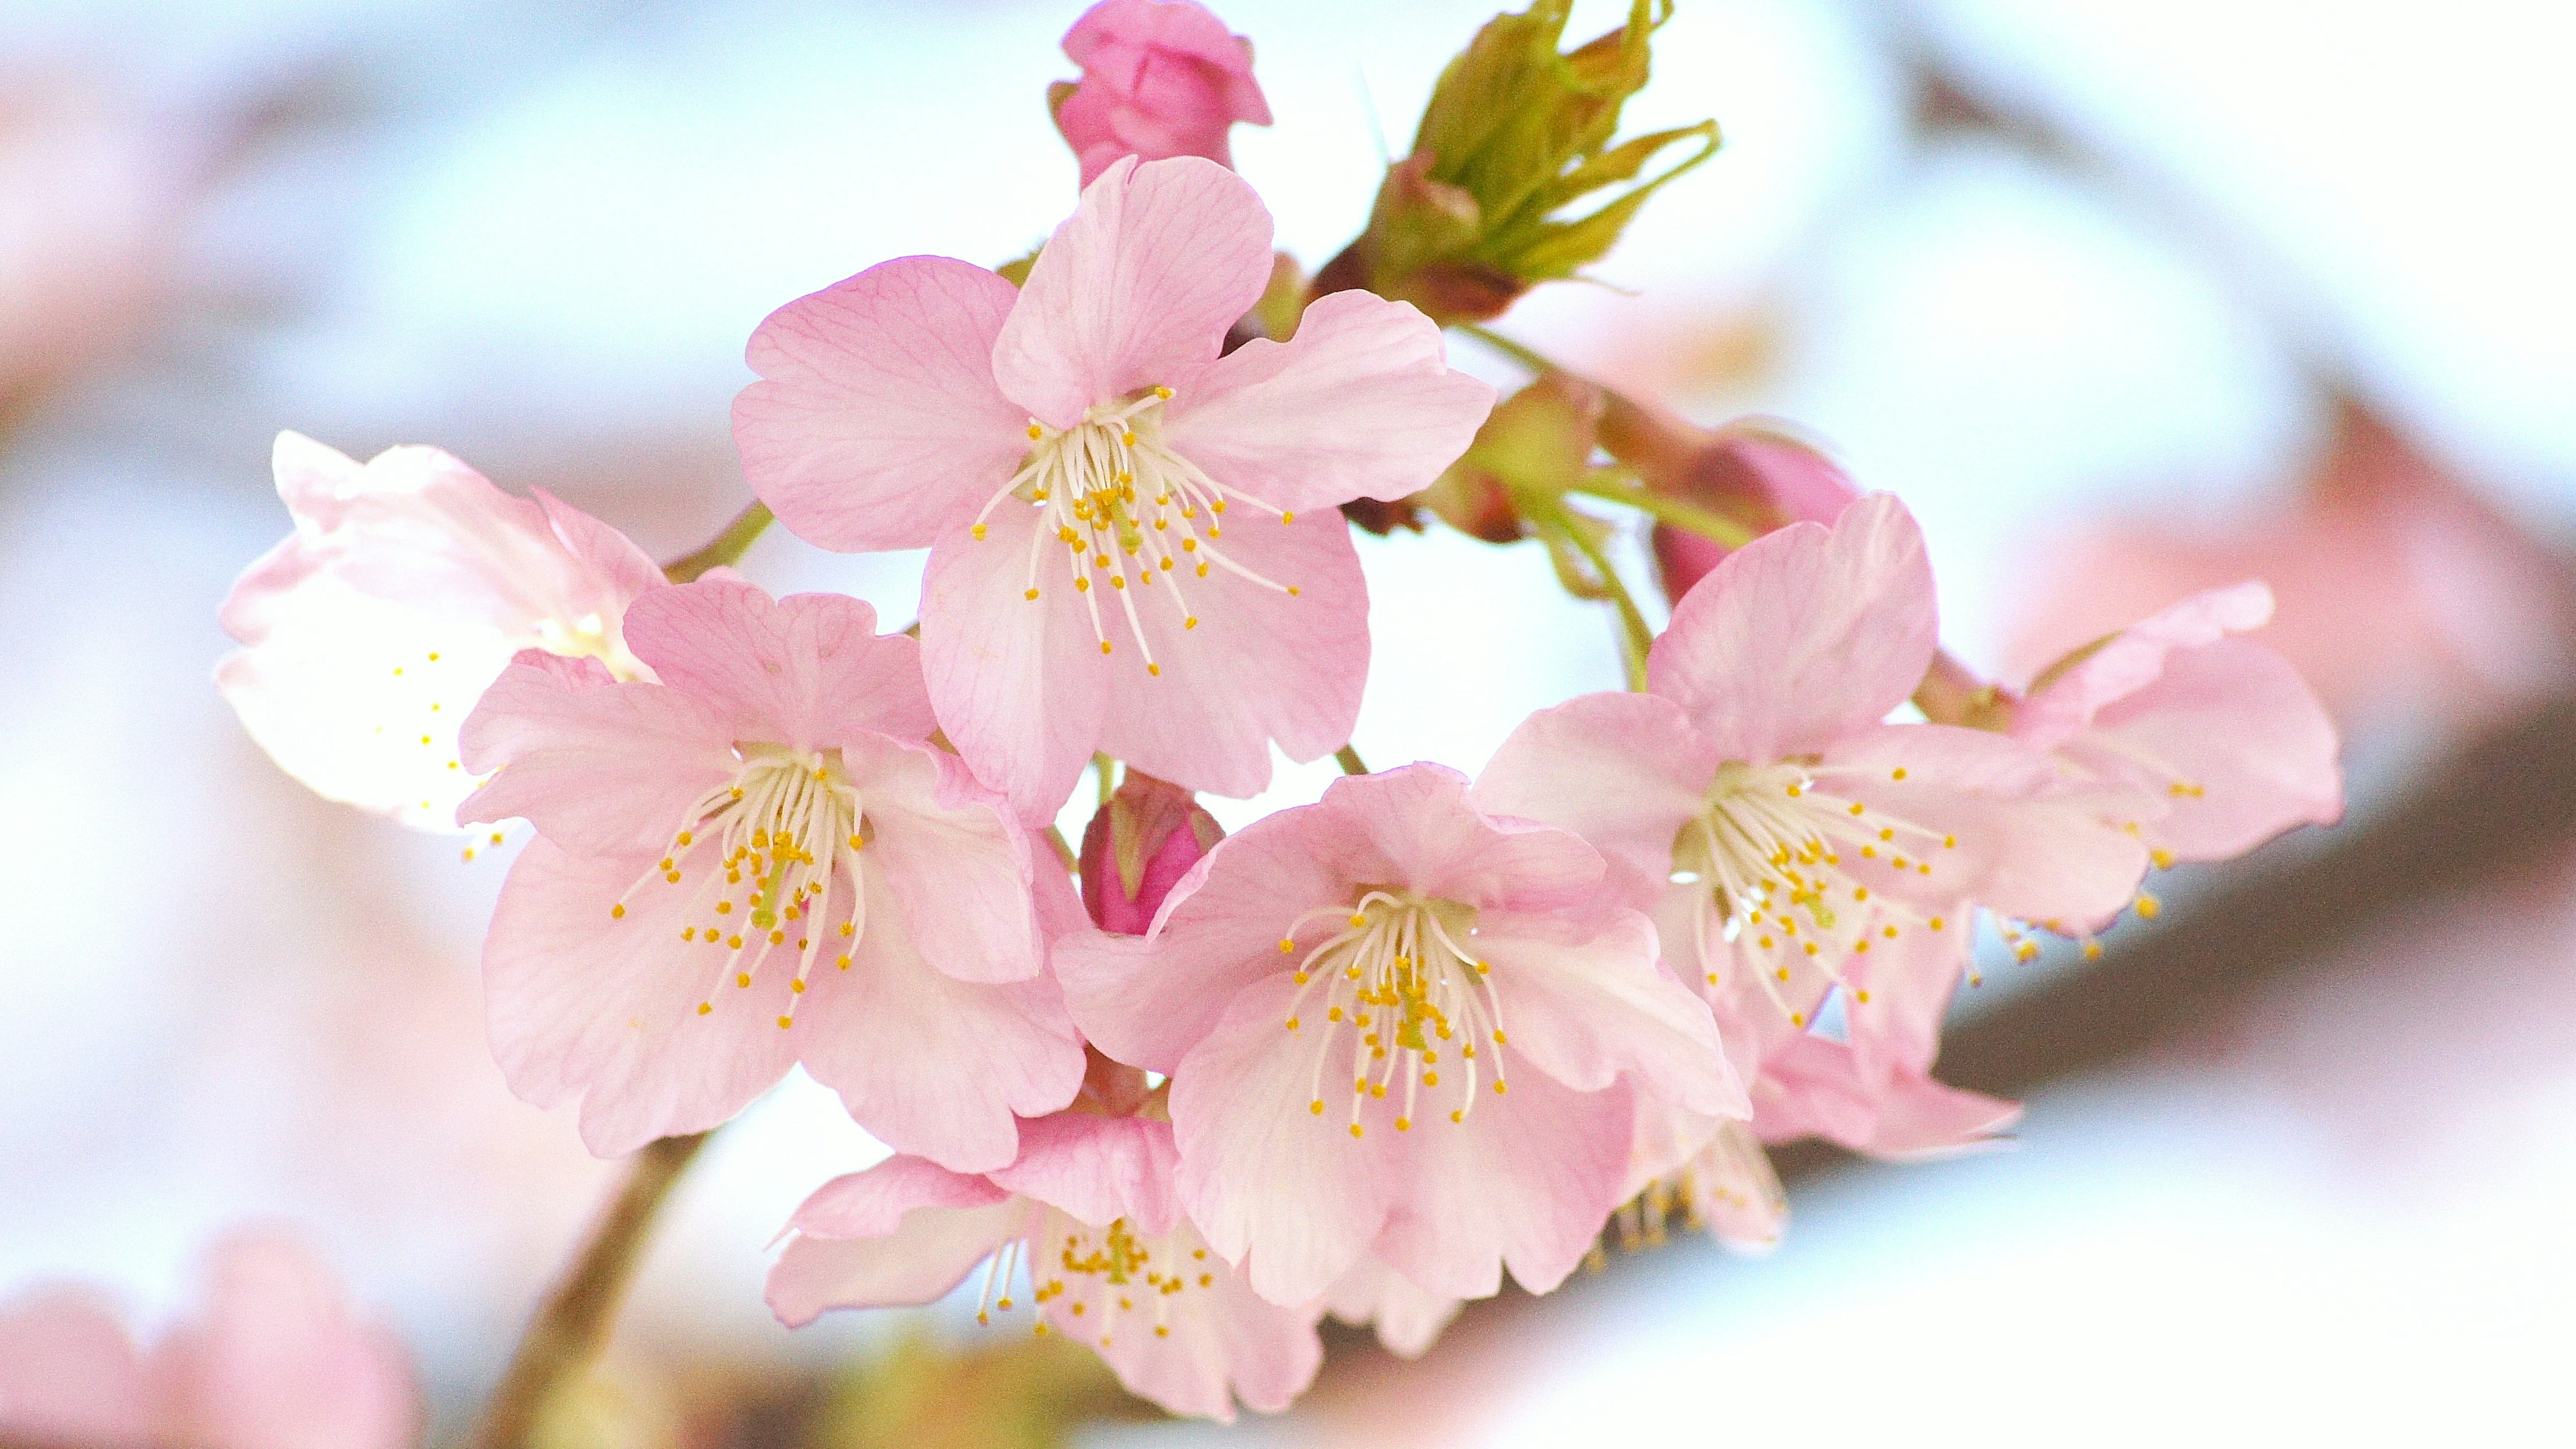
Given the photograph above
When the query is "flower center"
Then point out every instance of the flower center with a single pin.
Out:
(1769, 846)
(1131, 515)
(1399, 980)
(1107, 1272)
(768, 850)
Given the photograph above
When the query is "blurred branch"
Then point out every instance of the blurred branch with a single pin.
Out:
(573, 1321)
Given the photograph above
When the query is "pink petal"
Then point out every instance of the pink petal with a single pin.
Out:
(601, 768)
(1416, 826)
(279, 1361)
(1804, 635)
(1359, 404)
(1262, 1176)
(1524, 1182)
(70, 1374)
(952, 858)
(1407, 1319)
(1590, 1009)
(1259, 666)
(877, 423)
(1727, 1179)
(2133, 659)
(808, 670)
(2253, 750)
(1136, 289)
(1624, 771)
(606, 1011)
(1018, 684)
(902, 1233)
(600, 550)
(931, 1065)
(2029, 845)
(1098, 1169)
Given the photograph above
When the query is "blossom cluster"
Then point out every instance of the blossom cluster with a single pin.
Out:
(1182, 1094)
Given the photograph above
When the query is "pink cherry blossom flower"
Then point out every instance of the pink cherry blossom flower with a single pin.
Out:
(275, 1359)
(408, 584)
(1710, 1170)
(2177, 706)
(1133, 539)
(1137, 847)
(1160, 78)
(1397, 1025)
(764, 820)
(1087, 1220)
(1785, 838)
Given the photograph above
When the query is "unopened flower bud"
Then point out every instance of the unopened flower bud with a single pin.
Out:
(1754, 471)
(1537, 442)
(1138, 847)
(1160, 78)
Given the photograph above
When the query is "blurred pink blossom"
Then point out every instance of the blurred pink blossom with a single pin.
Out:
(1507, 1009)
(927, 401)
(1160, 78)
(766, 818)
(273, 1359)
(408, 583)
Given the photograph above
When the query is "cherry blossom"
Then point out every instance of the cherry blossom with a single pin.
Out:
(763, 820)
(407, 586)
(1139, 844)
(1397, 1025)
(2177, 706)
(1785, 838)
(1133, 540)
(1160, 78)
(1083, 1227)
(273, 1359)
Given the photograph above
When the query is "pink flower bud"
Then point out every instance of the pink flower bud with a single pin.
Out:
(1745, 471)
(1138, 847)
(1160, 78)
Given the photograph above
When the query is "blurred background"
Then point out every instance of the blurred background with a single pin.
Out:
(2125, 301)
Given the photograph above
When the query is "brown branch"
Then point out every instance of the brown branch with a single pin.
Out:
(573, 1321)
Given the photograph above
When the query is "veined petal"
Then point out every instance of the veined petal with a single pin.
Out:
(954, 860)
(928, 1064)
(1588, 1010)
(1524, 1182)
(2132, 659)
(601, 768)
(610, 1016)
(1098, 1169)
(1019, 685)
(1136, 289)
(1292, 1199)
(1361, 403)
(877, 423)
(1624, 771)
(1257, 664)
(1417, 826)
(807, 670)
(902, 1233)
(1803, 635)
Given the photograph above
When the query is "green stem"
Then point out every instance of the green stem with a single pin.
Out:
(1527, 357)
(1063, 852)
(1106, 768)
(1715, 527)
(573, 1321)
(726, 549)
(1635, 635)
(1349, 760)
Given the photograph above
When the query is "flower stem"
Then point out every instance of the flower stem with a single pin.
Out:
(574, 1319)
(1715, 527)
(1349, 760)
(1635, 635)
(726, 549)
(1526, 357)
